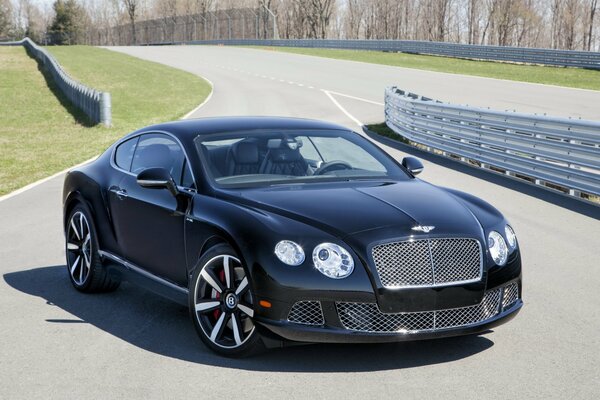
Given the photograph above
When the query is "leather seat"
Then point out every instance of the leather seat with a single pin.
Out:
(242, 159)
(281, 159)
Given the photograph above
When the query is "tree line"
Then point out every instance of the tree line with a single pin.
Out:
(559, 24)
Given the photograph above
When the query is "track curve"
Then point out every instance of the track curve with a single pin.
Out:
(133, 344)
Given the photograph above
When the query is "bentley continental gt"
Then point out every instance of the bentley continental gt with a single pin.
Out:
(282, 230)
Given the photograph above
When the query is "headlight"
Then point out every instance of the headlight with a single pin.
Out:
(498, 249)
(333, 261)
(511, 238)
(289, 252)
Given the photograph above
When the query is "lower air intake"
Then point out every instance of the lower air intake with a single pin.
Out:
(306, 313)
(366, 317)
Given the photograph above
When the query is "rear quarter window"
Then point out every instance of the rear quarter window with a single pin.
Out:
(124, 153)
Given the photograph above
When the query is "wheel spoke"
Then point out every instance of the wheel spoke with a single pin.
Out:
(72, 246)
(212, 280)
(218, 329)
(87, 254)
(81, 274)
(75, 229)
(246, 310)
(207, 306)
(228, 271)
(81, 225)
(237, 329)
(74, 266)
(86, 258)
(242, 287)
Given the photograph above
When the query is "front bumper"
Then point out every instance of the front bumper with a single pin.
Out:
(370, 325)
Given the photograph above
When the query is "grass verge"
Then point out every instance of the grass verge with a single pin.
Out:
(568, 77)
(41, 133)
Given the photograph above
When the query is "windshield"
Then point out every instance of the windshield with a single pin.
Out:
(259, 158)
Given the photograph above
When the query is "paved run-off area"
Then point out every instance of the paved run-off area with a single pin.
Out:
(132, 344)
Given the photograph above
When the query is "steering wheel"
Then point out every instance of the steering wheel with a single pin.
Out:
(330, 166)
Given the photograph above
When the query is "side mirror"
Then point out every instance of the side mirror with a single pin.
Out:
(413, 165)
(157, 178)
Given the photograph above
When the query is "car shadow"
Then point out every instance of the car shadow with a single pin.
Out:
(150, 322)
(555, 198)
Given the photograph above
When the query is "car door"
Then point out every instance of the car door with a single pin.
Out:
(149, 223)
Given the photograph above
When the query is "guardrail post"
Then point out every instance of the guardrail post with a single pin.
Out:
(105, 109)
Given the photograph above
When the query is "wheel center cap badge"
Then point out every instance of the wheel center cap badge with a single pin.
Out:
(231, 300)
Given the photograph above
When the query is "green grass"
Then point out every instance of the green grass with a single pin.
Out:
(40, 133)
(382, 130)
(569, 77)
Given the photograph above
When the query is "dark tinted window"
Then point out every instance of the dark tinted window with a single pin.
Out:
(158, 150)
(124, 153)
(258, 158)
(186, 179)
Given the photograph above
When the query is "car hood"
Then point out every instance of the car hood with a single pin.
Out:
(351, 208)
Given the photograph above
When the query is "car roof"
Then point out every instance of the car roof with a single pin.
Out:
(190, 128)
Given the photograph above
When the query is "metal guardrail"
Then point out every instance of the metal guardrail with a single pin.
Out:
(95, 104)
(556, 153)
(561, 58)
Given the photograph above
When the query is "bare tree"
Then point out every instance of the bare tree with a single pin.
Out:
(473, 8)
(131, 7)
(588, 34)
(564, 24)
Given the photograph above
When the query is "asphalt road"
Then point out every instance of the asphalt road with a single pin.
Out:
(132, 344)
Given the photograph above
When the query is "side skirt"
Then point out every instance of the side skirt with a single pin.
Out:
(140, 277)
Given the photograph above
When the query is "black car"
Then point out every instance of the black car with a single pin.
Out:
(279, 230)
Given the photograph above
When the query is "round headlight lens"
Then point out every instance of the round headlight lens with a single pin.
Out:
(289, 252)
(511, 238)
(498, 249)
(333, 261)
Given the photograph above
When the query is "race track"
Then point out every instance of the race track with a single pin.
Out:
(132, 344)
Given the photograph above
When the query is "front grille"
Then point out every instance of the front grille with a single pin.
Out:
(428, 262)
(511, 295)
(366, 317)
(306, 313)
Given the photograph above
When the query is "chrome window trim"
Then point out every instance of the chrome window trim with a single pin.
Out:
(132, 267)
(434, 285)
(128, 137)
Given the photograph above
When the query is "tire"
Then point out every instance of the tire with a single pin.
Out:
(84, 266)
(221, 304)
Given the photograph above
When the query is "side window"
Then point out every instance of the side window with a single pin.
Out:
(187, 180)
(158, 150)
(124, 153)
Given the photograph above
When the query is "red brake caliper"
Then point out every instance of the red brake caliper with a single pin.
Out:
(217, 312)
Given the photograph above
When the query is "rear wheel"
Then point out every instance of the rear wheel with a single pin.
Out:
(221, 304)
(83, 259)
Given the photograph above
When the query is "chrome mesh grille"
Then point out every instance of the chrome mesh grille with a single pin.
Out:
(511, 295)
(428, 262)
(366, 317)
(306, 313)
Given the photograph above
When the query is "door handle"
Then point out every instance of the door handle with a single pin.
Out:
(121, 193)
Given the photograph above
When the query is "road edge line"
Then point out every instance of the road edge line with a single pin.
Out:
(212, 90)
(43, 180)
(46, 179)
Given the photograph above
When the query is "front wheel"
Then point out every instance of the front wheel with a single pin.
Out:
(221, 304)
(86, 272)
